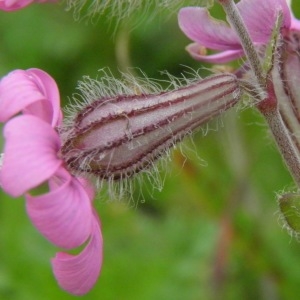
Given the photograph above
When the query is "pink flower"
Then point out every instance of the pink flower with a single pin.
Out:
(10, 5)
(30, 107)
(259, 17)
(112, 137)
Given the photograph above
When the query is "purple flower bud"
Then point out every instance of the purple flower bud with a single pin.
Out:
(117, 136)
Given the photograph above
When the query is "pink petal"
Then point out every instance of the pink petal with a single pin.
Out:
(64, 215)
(48, 87)
(30, 154)
(77, 274)
(260, 17)
(200, 27)
(218, 58)
(16, 92)
(89, 188)
(32, 91)
(295, 24)
(11, 5)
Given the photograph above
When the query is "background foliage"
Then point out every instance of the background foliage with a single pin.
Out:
(211, 233)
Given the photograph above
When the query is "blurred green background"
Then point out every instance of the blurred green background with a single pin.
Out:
(213, 232)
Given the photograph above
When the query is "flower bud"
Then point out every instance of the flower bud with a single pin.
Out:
(117, 136)
(289, 205)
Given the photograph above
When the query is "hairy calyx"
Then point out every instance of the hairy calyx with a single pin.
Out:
(116, 137)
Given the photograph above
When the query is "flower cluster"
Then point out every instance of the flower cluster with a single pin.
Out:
(123, 128)
(113, 136)
(257, 27)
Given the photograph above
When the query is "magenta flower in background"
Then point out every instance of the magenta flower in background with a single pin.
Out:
(260, 18)
(30, 107)
(206, 32)
(11, 5)
(268, 34)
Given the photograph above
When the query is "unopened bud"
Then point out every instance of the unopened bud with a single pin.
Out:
(289, 205)
(115, 137)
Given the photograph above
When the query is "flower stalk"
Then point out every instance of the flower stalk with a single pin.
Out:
(282, 137)
(238, 24)
(265, 90)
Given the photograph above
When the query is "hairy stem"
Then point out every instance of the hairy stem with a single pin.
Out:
(235, 20)
(283, 139)
(284, 143)
(268, 105)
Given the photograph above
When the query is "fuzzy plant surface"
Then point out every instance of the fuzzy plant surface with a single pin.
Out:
(182, 169)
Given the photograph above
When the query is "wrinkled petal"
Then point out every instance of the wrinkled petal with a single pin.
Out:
(17, 91)
(218, 58)
(32, 91)
(260, 17)
(64, 215)
(49, 89)
(30, 154)
(200, 27)
(77, 274)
